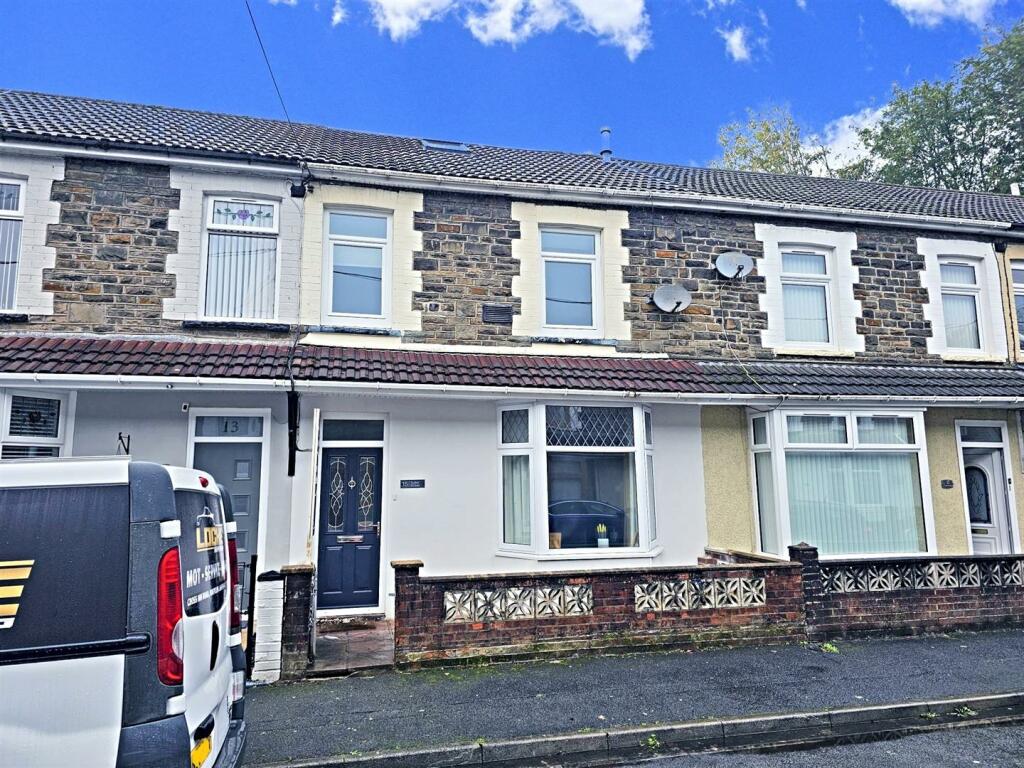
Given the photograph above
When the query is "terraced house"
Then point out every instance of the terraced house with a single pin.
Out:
(552, 366)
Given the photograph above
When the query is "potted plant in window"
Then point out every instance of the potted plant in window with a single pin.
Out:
(602, 535)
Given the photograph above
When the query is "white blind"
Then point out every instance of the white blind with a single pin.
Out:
(241, 276)
(10, 248)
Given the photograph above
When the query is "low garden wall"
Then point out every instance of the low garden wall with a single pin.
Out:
(731, 599)
(518, 615)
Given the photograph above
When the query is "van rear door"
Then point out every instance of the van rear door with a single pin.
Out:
(206, 622)
(64, 562)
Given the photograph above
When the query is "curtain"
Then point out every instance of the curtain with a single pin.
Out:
(652, 513)
(766, 502)
(515, 473)
(961, 316)
(241, 276)
(10, 248)
(806, 318)
(848, 503)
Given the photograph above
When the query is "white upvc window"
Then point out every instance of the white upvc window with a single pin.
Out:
(807, 289)
(576, 480)
(240, 264)
(851, 483)
(965, 307)
(961, 296)
(357, 267)
(1017, 276)
(809, 298)
(12, 216)
(572, 290)
(32, 424)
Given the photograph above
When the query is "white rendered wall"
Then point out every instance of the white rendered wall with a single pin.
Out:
(39, 173)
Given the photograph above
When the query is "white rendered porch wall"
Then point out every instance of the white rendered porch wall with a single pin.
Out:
(452, 524)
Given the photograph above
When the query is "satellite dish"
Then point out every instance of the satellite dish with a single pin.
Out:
(733, 264)
(671, 298)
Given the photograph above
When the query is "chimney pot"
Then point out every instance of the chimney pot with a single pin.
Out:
(606, 143)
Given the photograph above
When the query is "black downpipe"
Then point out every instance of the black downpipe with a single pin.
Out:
(293, 430)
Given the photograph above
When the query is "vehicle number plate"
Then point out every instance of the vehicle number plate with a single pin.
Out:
(201, 751)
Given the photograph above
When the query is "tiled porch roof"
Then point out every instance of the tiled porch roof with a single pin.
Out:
(226, 360)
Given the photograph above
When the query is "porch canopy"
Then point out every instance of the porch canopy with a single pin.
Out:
(141, 362)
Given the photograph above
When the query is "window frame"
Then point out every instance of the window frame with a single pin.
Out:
(209, 228)
(1017, 290)
(975, 291)
(538, 450)
(593, 260)
(355, 319)
(778, 444)
(16, 215)
(1004, 445)
(826, 281)
(64, 425)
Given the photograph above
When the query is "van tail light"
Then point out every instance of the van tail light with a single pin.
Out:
(236, 587)
(169, 666)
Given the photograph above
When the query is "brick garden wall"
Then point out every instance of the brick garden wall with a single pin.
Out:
(517, 615)
(909, 596)
(739, 601)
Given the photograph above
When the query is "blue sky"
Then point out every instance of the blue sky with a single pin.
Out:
(664, 74)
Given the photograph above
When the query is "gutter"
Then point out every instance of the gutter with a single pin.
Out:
(203, 160)
(468, 392)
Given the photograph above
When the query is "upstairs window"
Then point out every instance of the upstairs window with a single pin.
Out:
(1017, 273)
(357, 263)
(241, 259)
(12, 213)
(961, 291)
(570, 279)
(806, 296)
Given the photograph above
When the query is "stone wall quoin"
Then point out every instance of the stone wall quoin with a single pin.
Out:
(111, 245)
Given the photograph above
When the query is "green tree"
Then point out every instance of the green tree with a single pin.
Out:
(767, 141)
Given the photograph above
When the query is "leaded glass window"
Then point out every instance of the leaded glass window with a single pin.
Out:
(515, 426)
(241, 260)
(593, 426)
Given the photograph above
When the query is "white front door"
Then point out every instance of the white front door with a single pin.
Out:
(985, 487)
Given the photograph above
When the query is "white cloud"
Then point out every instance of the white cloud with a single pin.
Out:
(338, 13)
(801, 4)
(930, 13)
(841, 137)
(284, 2)
(737, 44)
(624, 23)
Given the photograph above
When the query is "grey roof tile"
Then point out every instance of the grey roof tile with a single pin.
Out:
(40, 116)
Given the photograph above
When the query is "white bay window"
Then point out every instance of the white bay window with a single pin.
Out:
(847, 482)
(241, 259)
(576, 478)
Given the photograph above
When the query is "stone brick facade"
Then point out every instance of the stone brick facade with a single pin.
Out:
(111, 245)
(466, 262)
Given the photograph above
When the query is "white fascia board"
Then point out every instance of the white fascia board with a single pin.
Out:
(196, 383)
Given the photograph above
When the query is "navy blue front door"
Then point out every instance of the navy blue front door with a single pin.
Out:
(350, 494)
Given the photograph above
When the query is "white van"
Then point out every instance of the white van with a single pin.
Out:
(115, 614)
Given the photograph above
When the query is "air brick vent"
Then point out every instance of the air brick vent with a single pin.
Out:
(497, 314)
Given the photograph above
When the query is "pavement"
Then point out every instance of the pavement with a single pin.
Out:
(997, 747)
(393, 710)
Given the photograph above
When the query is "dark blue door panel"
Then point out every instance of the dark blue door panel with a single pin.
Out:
(350, 504)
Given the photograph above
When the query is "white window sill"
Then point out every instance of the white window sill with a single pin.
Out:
(589, 554)
(813, 352)
(973, 357)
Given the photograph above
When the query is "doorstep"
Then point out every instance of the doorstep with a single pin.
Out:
(351, 644)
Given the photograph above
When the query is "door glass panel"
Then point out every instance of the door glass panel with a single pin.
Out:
(337, 493)
(354, 430)
(229, 426)
(981, 434)
(368, 510)
(978, 501)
